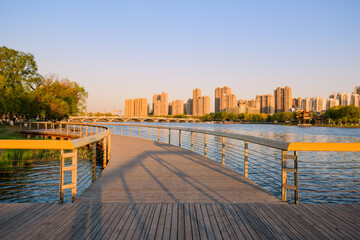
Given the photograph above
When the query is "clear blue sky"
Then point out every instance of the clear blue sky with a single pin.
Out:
(129, 49)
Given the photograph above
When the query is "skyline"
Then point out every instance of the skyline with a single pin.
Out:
(113, 49)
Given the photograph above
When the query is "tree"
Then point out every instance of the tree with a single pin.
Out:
(18, 75)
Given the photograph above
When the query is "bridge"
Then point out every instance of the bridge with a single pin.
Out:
(131, 119)
(163, 191)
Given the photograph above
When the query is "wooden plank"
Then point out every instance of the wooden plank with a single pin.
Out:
(213, 221)
(142, 222)
(237, 224)
(131, 226)
(344, 214)
(115, 213)
(25, 223)
(282, 222)
(194, 222)
(127, 219)
(181, 222)
(155, 221)
(257, 221)
(168, 223)
(270, 221)
(187, 222)
(146, 229)
(174, 221)
(201, 222)
(161, 222)
(225, 227)
(115, 221)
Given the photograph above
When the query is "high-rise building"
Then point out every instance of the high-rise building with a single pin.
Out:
(267, 103)
(283, 99)
(188, 107)
(176, 107)
(224, 99)
(357, 90)
(160, 104)
(201, 104)
(355, 100)
(137, 107)
(332, 102)
(318, 104)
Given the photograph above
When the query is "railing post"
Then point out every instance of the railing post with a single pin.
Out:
(283, 177)
(105, 154)
(37, 125)
(60, 128)
(109, 146)
(53, 127)
(86, 130)
(149, 133)
(61, 188)
(81, 127)
(158, 134)
(192, 141)
(29, 125)
(73, 169)
(45, 127)
(113, 128)
(67, 129)
(223, 150)
(179, 138)
(169, 136)
(131, 131)
(139, 132)
(205, 145)
(93, 159)
(121, 130)
(246, 149)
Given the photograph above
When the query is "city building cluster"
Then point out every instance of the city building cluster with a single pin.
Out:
(226, 101)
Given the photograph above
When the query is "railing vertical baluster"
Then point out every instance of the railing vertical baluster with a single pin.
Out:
(74, 175)
(53, 127)
(67, 129)
(60, 128)
(37, 125)
(81, 127)
(130, 130)
(192, 141)
(179, 138)
(96, 130)
(121, 130)
(246, 149)
(109, 146)
(296, 178)
(283, 177)
(169, 136)
(93, 159)
(205, 145)
(113, 128)
(223, 150)
(45, 127)
(86, 130)
(158, 134)
(149, 133)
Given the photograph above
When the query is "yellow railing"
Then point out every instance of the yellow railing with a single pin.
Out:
(222, 143)
(66, 137)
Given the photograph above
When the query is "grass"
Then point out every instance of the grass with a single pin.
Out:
(10, 132)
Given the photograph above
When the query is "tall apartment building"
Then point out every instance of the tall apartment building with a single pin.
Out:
(267, 103)
(188, 107)
(355, 100)
(224, 99)
(357, 90)
(201, 104)
(331, 102)
(160, 104)
(137, 107)
(318, 104)
(176, 107)
(283, 99)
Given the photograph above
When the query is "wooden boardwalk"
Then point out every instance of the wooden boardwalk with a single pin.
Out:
(87, 220)
(152, 190)
(144, 171)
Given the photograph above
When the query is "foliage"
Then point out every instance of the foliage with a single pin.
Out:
(25, 93)
(342, 114)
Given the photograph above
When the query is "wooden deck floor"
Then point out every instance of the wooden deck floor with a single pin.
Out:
(88, 220)
(152, 190)
(144, 171)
